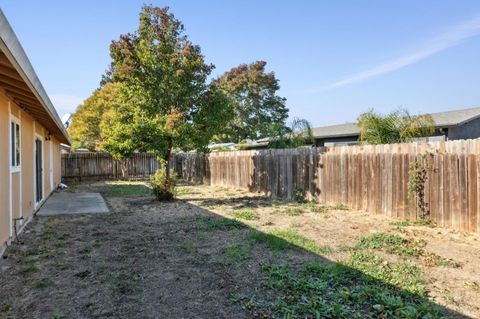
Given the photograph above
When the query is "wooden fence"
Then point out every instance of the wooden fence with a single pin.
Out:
(373, 178)
(103, 165)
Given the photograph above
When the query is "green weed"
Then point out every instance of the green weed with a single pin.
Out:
(43, 283)
(6, 307)
(48, 234)
(418, 222)
(392, 243)
(404, 247)
(125, 282)
(207, 223)
(187, 247)
(236, 253)
(268, 223)
(245, 214)
(128, 190)
(62, 266)
(287, 239)
(294, 211)
(366, 286)
(86, 249)
(28, 269)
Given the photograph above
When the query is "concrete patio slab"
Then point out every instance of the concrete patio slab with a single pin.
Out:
(65, 203)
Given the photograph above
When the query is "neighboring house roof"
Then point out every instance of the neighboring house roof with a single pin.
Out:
(339, 130)
(21, 83)
(442, 119)
(457, 117)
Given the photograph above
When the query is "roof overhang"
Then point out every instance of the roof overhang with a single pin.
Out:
(20, 82)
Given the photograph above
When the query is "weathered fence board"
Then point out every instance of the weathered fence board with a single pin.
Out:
(373, 178)
(102, 165)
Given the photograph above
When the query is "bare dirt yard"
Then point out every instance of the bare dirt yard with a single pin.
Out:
(225, 253)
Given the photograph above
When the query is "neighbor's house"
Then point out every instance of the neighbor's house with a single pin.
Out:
(452, 125)
(30, 136)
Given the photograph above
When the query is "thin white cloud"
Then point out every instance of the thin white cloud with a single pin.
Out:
(65, 103)
(454, 36)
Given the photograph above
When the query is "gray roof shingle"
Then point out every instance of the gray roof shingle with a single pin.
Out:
(442, 119)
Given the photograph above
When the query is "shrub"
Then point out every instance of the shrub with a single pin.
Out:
(163, 188)
(299, 195)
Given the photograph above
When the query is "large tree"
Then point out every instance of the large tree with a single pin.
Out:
(85, 127)
(396, 127)
(259, 111)
(167, 103)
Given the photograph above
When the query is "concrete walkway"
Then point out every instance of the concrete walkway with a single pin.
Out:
(65, 203)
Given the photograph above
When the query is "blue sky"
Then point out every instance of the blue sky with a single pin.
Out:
(334, 59)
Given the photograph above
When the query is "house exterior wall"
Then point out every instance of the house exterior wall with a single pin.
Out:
(27, 169)
(4, 172)
(467, 130)
(332, 141)
(17, 190)
(57, 162)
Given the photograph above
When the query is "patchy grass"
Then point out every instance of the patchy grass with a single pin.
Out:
(39, 251)
(418, 222)
(339, 206)
(207, 223)
(43, 283)
(127, 190)
(296, 225)
(48, 233)
(475, 285)
(125, 282)
(32, 268)
(148, 256)
(188, 247)
(246, 214)
(269, 222)
(287, 239)
(366, 286)
(236, 253)
(62, 266)
(314, 207)
(87, 249)
(6, 307)
(395, 244)
(294, 211)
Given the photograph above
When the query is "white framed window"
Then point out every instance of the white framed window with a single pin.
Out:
(15, 147)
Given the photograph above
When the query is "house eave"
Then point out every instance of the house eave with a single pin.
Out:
(14, 53)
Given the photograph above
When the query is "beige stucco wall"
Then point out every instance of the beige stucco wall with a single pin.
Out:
(27, 166)
(17, 188)
(4, 170)
(57, 163)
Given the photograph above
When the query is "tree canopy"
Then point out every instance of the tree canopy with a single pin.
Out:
(297, 133)
(258, 110)
(85, 127)
(167, 103)
(396, 127)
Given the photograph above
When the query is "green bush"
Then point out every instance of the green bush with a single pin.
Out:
(300, 195)
(163, 188)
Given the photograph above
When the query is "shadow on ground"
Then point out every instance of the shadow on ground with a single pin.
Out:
(178, 260)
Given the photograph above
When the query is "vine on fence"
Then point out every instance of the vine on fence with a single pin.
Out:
(417, 178)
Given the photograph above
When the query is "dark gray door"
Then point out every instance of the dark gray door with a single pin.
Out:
(38, 169)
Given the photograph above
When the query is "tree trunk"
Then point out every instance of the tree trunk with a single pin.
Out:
(123, 166)
(168, 156)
